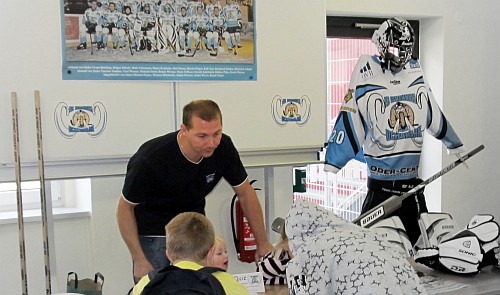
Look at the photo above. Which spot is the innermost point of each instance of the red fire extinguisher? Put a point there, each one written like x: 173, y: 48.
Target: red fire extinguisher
x: 244, y: 240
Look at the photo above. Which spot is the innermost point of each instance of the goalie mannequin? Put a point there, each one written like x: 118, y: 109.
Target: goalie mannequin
x: 467, y: 251
x: 386, y: 110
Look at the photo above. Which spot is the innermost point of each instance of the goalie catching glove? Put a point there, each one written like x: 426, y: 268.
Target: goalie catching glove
x: 468, y: 250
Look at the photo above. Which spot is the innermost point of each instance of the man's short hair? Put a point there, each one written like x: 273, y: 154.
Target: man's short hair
x: 205, y: 109
x: 190, y: 235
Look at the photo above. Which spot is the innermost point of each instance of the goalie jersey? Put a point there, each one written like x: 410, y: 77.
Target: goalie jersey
x: 383, y: 117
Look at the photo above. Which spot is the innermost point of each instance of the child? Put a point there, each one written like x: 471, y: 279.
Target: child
x: 273, y: 264
x: 220, y: 258
x: 191, y: 245
x: 334, y: 256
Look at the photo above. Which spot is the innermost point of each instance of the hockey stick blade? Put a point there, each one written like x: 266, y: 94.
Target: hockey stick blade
x: 188, y: 55
x: 390, y: 205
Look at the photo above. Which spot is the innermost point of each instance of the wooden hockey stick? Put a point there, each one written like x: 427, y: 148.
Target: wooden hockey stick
x: 20, y: 218
x: 390, y: 205
x: 91, y: 47
x: 43, y: 199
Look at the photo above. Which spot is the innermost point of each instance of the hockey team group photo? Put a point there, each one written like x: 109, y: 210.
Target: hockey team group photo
x: 173, y: 31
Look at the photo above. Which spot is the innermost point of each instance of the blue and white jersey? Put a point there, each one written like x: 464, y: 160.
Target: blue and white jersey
x: 148, y: 19
x: 232, y: 14
x: 119, y: 5
x: 216, y: 22
x: 384, y: 115
x: 111, y: 18
x: 167, y: 18
x: 200, y: 22
x: 152, y: 4
x: 129, y: 20
x: 92, y: 15
x: 193, y: 7
x: 209, y: 9
x: 183, y: 22
x: 103, y: 4
x: 178, y: 4
x: 166, y: 7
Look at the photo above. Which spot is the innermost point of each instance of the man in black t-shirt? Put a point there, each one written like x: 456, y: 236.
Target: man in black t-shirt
x: 174, y: 173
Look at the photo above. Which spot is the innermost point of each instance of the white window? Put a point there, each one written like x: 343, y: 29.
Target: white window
x: 344, y: 192
x: 66, y: 196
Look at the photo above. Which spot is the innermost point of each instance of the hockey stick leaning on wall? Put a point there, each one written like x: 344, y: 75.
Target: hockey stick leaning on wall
x: 43, y: 199
x: 20, y: 218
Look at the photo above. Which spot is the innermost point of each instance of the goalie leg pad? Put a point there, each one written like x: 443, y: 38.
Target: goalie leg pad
x: 438, y: 226
x: 393, y: 230
x: 458, y: 266
x: 461, y: 254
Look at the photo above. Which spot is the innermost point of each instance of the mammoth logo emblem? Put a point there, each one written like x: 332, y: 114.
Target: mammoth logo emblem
x: 401, y: 116
x: 71, y: 120
x: 286, y: 110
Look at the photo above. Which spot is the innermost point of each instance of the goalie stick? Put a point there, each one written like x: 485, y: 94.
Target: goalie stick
x: 43, y: 199
x: 20, y: 219
x: 129, y: 39
x: 390, y: 205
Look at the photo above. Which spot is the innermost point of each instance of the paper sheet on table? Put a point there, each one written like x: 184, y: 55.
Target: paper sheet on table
x: 253, y: 281
x: 434, y: 285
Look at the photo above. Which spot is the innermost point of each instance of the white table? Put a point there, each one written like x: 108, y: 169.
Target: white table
x: 487, y: 282
x: 483, y: 283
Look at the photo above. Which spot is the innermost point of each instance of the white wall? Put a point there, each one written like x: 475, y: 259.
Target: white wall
x: 471, y: 77
x: 457, y: 61
x: 139, y: 110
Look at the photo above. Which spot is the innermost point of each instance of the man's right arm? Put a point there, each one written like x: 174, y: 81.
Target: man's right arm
x: 128, y: 230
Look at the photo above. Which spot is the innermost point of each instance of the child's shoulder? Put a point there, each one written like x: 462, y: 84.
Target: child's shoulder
x: 230, y: 284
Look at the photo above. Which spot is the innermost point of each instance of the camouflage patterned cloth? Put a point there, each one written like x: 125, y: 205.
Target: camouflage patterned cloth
x: 334, y: 256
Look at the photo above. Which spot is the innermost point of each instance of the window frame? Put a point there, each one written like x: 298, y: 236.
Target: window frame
x: 69, y: 198
x: 345, y: 27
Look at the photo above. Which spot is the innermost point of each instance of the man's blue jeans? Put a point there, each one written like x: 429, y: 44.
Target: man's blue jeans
x: 155, y: 250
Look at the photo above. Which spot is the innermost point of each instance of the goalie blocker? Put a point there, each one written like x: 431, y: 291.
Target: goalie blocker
x: 467, y: 251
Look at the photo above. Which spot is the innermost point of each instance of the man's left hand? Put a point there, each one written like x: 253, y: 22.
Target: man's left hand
x: 262, y: 250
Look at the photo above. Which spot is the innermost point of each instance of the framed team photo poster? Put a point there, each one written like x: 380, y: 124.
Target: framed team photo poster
x: 172, y: 40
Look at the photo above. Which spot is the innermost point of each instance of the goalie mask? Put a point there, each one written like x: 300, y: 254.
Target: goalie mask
x: 394, y: 40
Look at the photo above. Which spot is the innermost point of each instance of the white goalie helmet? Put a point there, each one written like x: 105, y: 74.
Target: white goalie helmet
x: 394, y: 40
